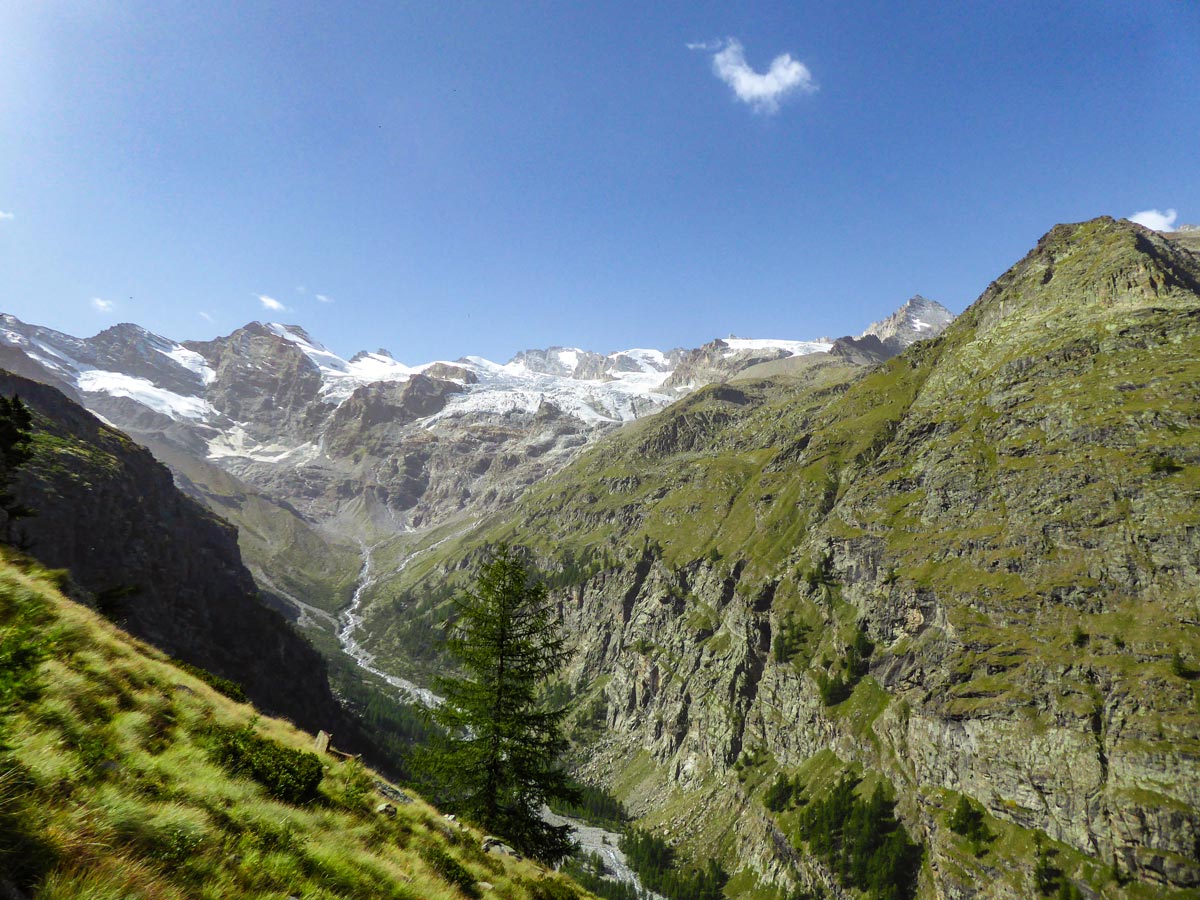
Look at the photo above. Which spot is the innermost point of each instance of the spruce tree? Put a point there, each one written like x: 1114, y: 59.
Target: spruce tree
x: 16, y: 426
x: 500, y: 762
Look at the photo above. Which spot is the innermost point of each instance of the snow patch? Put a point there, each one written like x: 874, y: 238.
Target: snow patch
x: 192, y: 361
x: 648, y: 360
x: 793, y: 348
x: 236, y: 442
x: 569, y: 358
x: 146, y: 393
x: 339, y: 378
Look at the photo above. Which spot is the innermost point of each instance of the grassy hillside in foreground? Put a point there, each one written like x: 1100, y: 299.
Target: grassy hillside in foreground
x: 124, y: 776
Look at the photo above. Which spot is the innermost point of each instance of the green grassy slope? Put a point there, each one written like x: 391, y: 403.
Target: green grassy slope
x: 113, y: 784
x: 1009, y: 512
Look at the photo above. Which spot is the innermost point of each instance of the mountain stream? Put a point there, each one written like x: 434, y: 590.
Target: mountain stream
x: 352, y: 618
x: 591, y: 838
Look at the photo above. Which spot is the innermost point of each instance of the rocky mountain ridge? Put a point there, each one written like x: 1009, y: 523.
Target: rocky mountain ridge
x: 345, y: 450
x: 968, y: 574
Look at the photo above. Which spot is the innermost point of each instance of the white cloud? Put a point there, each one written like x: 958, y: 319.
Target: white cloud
x: 324, y: 299
x: 101, y: 305
x: 763, y: 91
x: 1156, y: 220
x: 707, y: 46
x: 205, y: 316
x: 271, y: 303
x: 6, y: 216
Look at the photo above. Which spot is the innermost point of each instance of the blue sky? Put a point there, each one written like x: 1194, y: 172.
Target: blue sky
x: 460, y: 178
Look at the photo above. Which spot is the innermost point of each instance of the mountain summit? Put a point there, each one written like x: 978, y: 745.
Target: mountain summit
x: 919, y: 318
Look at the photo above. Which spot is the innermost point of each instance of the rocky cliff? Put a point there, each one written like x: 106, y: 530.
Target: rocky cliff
x: 156, y: 561
x: 969, y: 572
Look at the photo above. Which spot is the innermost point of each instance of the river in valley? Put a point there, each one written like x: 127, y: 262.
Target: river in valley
x: 591, y: 838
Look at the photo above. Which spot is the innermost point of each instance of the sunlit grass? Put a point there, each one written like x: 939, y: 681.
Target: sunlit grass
x: 110, y: 786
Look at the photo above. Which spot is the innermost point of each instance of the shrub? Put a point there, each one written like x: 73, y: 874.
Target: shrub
x: 357, y: 785
x: 292, y: 776
x: 25, y: 854
x: 967, y: 820
x: 833, y: 688
x: 230, y: 689
x: 837, y: 687
x: 23, y: 644
x: 790, y: 640
x: 449, y: 869
x: 1046, y: 875
x: 778, y: 795
x: 1179, y: 668
x: 1162, y: 463
x: 551, y: 889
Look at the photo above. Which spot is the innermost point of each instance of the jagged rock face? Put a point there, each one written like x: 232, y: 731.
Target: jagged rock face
x: 585, y: 365
x: 374, y: 413
x: 717, y: 361
x: 263, y: 382
x: 865, y: 350
x: 562, y: 361
x: 448, y: 372
x: 18, y: 362
x: 133, y: 350
x: 346, y: 441
x: 156, y: 561
x: 1009, y: 513
x: 917, y: 320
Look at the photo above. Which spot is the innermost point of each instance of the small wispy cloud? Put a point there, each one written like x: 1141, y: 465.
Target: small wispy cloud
x: 707, y: 46
x: 762, y: 91
x: 205, y: 316
x: 323, y: 299
x: 1156, y: 220
x: 271, y: 303
x: 99, y: 304
x: 7, y: 216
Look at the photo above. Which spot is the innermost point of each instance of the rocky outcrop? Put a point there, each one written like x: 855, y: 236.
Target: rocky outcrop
x: 449, y: 372
x: 373, y: 416
x: 866, y: 350
x: 716, y: 361
x: 264, y: 383
x: 132, y: 350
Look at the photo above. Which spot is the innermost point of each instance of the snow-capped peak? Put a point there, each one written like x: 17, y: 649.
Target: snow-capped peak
x: 339, y: 376
x: 917, y: 319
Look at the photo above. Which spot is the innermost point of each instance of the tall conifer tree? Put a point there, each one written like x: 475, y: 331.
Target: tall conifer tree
x: 16, y: 425
x: 501, y: 760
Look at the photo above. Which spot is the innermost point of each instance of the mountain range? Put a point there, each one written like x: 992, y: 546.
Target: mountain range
x: 303, y: 449
x: 951, y: 559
